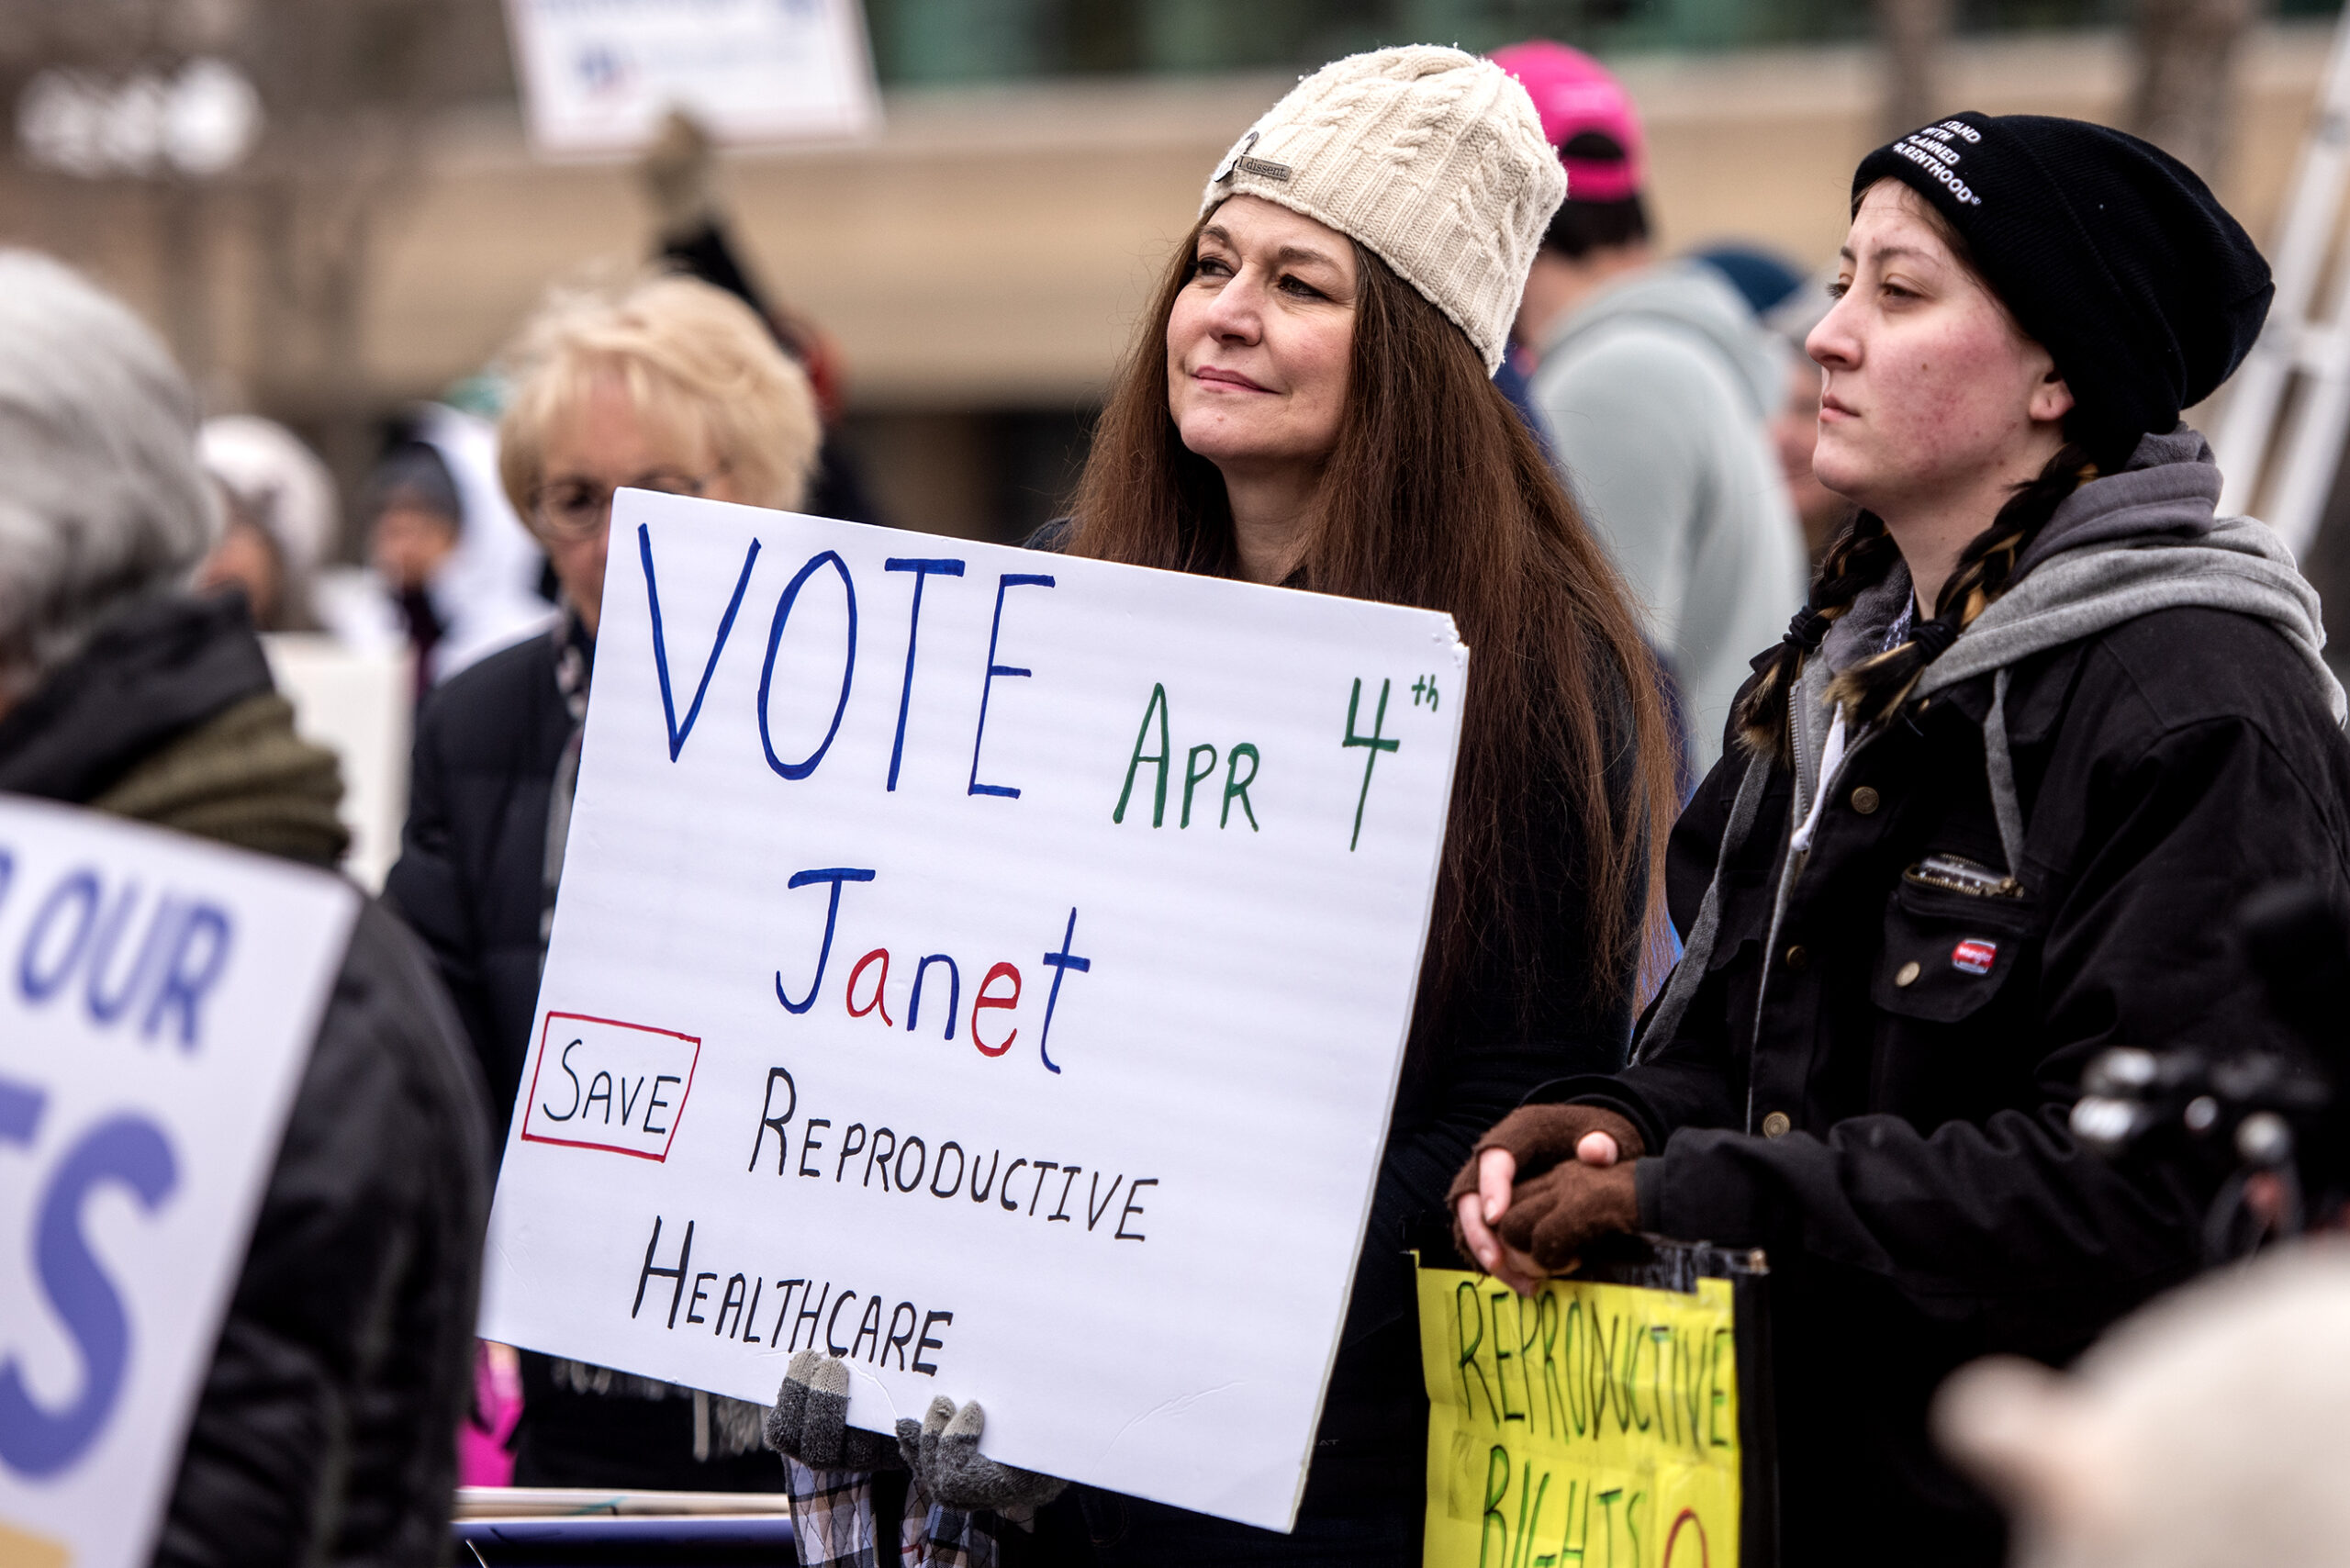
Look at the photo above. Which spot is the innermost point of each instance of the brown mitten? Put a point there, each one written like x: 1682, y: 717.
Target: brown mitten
x: 1555, y: 1215
x: 1540, y: 1138
x: 1544, y: 1136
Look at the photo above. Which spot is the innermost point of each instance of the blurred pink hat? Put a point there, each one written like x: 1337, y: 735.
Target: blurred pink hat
x: 1575, y: 95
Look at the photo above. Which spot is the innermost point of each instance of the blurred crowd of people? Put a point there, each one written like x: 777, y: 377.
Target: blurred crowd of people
x: 1672, y: 392
x: 1604, y: 457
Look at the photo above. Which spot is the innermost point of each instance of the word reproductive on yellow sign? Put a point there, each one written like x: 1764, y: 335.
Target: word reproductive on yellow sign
x: 1592, y: 1424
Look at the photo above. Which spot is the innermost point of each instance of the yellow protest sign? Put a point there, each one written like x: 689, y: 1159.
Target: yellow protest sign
x: 1593, y: 1424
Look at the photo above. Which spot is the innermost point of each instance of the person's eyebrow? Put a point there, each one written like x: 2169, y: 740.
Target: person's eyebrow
x: 1919, y: 251
x: 1292, y: 254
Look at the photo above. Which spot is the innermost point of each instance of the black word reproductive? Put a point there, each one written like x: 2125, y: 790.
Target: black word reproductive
x: 904, y: 1163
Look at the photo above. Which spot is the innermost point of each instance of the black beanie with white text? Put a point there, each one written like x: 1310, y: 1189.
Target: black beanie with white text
x: 2112, y: 254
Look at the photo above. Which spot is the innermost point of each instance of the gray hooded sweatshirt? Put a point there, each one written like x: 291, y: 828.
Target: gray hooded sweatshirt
x: 2147, y: 538
x: 1658, y: 394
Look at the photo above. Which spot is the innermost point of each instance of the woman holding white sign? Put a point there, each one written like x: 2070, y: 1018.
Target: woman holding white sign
x: 1989, y: 811
x: 1310, y: 403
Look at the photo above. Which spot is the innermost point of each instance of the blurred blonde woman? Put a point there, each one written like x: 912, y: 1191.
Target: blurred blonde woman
x: 662, y: 384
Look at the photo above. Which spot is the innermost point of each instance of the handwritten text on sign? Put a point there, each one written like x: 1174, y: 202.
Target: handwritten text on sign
x: 158, y: 998
x: 1591, y: 1424
x: 964, y: 955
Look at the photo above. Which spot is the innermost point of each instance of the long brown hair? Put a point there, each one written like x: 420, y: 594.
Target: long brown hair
x: 1436, y: 496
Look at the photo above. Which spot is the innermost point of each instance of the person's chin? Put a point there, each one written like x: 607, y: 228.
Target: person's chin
x: 1841, y: 474
x: 1218, y: 442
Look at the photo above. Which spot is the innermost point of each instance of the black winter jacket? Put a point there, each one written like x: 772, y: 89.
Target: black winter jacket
x: 472, y: 873
x: 1892, y: 1126
x: 326, y: 1431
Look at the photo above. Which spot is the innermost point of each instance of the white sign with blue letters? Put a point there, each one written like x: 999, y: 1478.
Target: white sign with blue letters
x: 158, y: 998
x: 597, y: 76
x: 991, y: 967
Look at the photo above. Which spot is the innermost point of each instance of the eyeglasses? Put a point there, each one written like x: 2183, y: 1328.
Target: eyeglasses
x: 575, y: 509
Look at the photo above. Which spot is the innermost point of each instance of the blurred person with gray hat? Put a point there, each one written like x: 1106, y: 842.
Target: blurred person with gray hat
x: 281, y: 525
x: 1657, y: 385
x: 323, y: 1430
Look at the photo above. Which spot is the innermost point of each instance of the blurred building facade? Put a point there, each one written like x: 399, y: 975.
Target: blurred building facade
x: 981, y: 260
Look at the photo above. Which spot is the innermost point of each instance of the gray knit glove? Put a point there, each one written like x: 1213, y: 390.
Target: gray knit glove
x: 944, y: 1453
x: 810, y: 1421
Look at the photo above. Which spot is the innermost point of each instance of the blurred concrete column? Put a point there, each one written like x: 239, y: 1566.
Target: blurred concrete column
x: 2184, y: 99
x: 1915, y: 34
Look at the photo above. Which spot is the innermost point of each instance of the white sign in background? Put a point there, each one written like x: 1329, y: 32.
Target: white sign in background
x: 597, y: 76
x: 158, y: 1000
x: 990, y: 966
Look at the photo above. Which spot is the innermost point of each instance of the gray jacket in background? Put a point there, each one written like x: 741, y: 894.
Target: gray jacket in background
x: 1658, y: 394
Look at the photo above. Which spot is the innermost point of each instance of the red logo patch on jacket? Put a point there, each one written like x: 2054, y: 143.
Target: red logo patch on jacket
x: 1974, y: 955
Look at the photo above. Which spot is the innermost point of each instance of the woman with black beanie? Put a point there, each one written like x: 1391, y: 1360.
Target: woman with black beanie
x: 1989, y: 808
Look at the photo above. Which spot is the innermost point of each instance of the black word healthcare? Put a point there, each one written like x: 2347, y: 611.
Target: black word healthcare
x: 731, y: 1310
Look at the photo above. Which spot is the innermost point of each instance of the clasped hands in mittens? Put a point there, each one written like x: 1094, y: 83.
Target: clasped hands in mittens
x: 1540, y: 1186
x: 810, y: 1423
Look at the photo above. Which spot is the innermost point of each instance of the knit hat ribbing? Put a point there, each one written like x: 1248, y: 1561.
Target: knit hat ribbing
x: 2112, y: 254
x: 1433, y: 158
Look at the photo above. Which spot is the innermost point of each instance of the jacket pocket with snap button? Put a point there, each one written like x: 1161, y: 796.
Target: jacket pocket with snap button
x: 1952, y: 939
x: 1954, y: 1039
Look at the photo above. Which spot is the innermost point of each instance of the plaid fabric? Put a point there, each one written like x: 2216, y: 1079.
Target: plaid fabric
x: 832, y: 1524
x: 832, y: 1516
x: 954, y: 1538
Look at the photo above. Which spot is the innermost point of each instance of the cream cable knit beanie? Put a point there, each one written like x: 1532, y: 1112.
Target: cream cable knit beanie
x: 1433, y: 158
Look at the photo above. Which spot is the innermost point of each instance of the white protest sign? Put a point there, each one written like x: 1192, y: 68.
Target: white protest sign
x: 158, y: 998
x: 990, y: 966
x: 358, y: 704
x: 599, y: 74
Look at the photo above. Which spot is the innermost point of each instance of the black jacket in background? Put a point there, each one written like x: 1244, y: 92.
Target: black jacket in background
x: 837, y: 487
x: 471, y: 877
x: 326, y: 1430
x: 1916, y: 1184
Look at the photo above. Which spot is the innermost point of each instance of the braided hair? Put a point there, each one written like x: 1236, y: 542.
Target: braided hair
x: 1860, y: 558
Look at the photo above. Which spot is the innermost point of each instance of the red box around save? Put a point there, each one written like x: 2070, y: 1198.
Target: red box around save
x: 600, y: 1083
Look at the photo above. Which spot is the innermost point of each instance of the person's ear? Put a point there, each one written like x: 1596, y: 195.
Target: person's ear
x: 2051, y: 398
